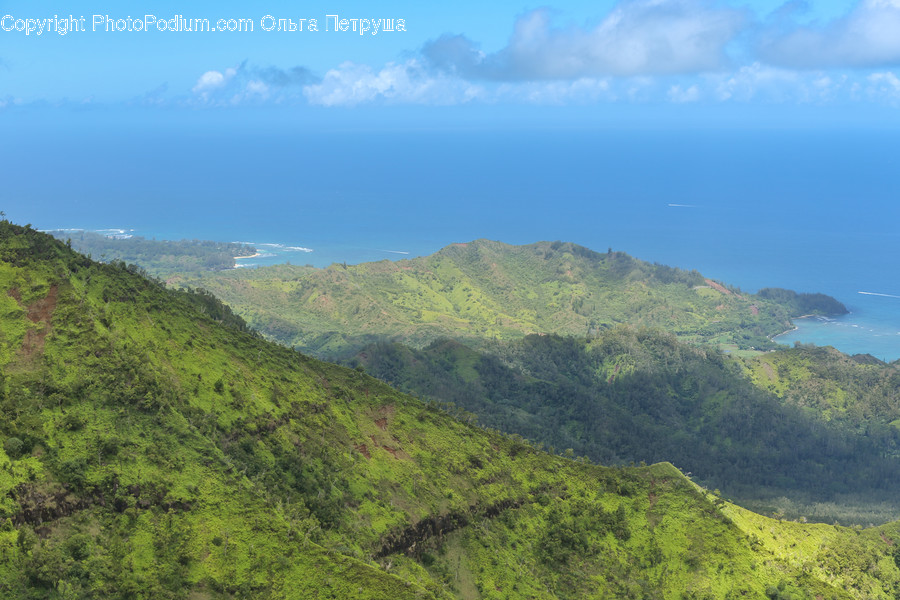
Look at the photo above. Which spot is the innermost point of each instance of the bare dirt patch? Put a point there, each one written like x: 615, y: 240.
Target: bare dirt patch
x: 720, y: 288
x: 395, y: 452
x: 38, y: 312
x: 383, y: 416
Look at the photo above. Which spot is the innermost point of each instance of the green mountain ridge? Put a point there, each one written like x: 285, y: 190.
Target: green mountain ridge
x: 486, y: 290
x: 151, y: 451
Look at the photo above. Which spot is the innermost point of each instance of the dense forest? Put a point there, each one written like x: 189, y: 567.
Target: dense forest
x: 630, y: 395
x: 804, y: 304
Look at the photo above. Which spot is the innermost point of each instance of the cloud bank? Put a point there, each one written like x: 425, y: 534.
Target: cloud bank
x: 672, y: 51
x: 869, y: 36
x: 643, y: 37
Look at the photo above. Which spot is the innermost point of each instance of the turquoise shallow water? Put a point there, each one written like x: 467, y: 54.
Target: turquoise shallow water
x: 862, y: 332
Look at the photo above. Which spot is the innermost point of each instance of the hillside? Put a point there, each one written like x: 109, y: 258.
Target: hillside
x: 630, y: 395
x: 152, y: 451
x: 859, y: 389
x: 487, y: 290
x: 615, y: 393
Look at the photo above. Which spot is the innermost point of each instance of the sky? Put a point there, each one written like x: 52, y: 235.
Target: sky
x: 766, y: 55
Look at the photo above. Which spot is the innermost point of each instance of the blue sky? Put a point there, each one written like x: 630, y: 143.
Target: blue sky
x: 670, y: 53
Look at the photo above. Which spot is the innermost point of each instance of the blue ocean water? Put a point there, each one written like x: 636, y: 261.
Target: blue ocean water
x: 810, y: 210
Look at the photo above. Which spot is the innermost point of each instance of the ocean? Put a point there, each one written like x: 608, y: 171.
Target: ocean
x: 810, y: 210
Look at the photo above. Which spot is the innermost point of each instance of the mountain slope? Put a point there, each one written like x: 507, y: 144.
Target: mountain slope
x: 670, y: 402
x: 117, y: 472
x: 859, y: 389
x: 632, y: 395
x: 489, y: 290
x: 149, y: 451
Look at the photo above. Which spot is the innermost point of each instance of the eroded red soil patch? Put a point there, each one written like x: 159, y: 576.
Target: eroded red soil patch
x: 39, y: 311
x: 720, y: 288
x: 397, y: 453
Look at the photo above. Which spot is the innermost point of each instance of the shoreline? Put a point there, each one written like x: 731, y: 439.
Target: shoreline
x: 793, y: 328
x: 775, y: 337
x: 257, y: 255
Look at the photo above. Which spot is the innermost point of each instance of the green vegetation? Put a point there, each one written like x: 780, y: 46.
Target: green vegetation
x: 151, y: 451
x: 804, y: 304
x: 158, y: 258
x: 491, y: 291
x: 616, y: 394
x: 631, y: 395
x: 860, y: 389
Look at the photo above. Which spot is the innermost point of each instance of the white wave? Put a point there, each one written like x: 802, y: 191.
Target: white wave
x: 673, y: 205
x: 298, y: 248
x: 395, y: 251
x: 879, y: 294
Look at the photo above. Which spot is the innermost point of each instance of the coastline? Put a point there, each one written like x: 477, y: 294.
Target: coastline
x: 257, y: 255
x: 793, y: 327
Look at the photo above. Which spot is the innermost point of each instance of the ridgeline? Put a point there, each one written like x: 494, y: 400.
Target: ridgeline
x: 488, y: 290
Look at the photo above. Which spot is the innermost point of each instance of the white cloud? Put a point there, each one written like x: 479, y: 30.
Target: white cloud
x: 887, y: 79
x: 249, y: 84
x: 868, y: 36
x: 637, y: 37
x: 680, y: 51
x: 681, y: 95
x: 757, y: 80
x: 585, y: 90
x: 409, y: 82
x: 884, y: 86
x: 257, y: 87
x: 212, y: 80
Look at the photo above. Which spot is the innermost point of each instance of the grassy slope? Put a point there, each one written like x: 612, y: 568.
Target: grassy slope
x: 148, y: 451
x: 489, y: 290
